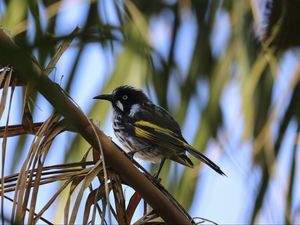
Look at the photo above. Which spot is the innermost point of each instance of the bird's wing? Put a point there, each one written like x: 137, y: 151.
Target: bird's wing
x: 158, y: 116
x: 155, y: 124
x: 162, y: 137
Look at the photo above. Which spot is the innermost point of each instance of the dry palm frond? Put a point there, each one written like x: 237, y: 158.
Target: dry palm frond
x: 41, y: 218
x: 86, y: 181
x: 92, y: 199
x: 132, y: 205
x: 16, y: 130
x: 8, y: 72
x: 119, y: 199
x: 33, y: 162
x: 60, y: 50
x: 147, y: 218
x: 204, y: 221
x: 5, y: 77
x: 50, y: 174
x: 33, y: 174
x: 4, y: 141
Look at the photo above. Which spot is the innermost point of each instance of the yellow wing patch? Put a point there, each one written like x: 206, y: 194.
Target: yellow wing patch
x: 148, y: 135
x: 142, y: 133
x: 151, y: 125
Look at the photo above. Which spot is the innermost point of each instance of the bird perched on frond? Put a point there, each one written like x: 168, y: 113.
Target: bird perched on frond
x: 149, y: 131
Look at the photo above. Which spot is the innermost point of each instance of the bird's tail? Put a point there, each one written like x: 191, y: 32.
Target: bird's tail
x: 204, y: 159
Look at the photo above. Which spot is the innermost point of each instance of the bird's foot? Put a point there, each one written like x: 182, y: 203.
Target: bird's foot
x: 130, y: 155
x: 157, y: 179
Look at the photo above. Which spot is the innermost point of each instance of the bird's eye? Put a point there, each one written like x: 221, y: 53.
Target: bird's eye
x: 124, y: 97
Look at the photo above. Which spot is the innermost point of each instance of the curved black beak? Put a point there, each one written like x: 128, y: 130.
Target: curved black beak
x: 104, y: 97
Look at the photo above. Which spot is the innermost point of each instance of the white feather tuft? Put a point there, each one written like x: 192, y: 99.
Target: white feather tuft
x: 120, y: 105
x: 134, y: 109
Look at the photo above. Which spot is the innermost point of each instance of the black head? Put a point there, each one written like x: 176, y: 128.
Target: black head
x: 124, y: 97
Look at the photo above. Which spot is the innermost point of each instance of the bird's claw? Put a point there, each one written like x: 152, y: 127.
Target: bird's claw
x: 157, y: 179
x: 130, y: 155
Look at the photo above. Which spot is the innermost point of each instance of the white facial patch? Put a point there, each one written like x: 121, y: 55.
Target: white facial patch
x: 120, y: 105
x: 134, y: 109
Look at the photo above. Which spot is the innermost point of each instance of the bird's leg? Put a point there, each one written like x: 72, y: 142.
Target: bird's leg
x: 131, y: 153
x: 159, y: 169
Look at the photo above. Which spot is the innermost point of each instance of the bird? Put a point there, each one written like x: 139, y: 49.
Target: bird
x: 148, y: 131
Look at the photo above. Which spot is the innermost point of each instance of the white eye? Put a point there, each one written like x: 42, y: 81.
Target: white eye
x: 124, y: 97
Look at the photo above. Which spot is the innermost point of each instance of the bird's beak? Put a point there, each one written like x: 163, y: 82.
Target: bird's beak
x: 104, y: 97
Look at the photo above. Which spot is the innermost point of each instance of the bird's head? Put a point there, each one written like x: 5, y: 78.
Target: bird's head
x: 124, y: 97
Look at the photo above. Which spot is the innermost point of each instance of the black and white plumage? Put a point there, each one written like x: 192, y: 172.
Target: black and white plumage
x: 148, y: 130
